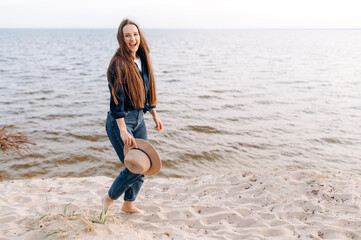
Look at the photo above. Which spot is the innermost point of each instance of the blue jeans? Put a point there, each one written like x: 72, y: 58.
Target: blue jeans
x: 126, y: 182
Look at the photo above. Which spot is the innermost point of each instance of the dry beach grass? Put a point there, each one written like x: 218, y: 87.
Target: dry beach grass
x: 13, y: 141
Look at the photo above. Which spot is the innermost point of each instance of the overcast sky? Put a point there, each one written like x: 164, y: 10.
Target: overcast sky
x: 181, y: 13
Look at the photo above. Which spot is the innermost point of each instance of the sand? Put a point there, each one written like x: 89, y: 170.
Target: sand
x: 294, y: 204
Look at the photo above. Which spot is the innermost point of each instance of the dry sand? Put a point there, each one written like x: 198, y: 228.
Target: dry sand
x: 295, y: 204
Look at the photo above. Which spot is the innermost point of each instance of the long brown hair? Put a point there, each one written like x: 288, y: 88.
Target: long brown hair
x: 128, y: 72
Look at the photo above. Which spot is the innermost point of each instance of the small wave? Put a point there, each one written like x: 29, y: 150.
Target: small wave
x: 249, y: 145
x: 63, y: 69
x: 51, y: 132
x: 53, y: 138
x: 100, y: 149
x: 199, y: 156
x: 227, y: 91
x: 91, y: 138
x: 25, y: 166
x: 234, y: 119
x: 38, y: 92
x: 33, y: 155
x: 233, y: 106
x: 55, y: 116
x: 41, y: 98
x: 208, y: 97
x: 172, y: 80
x: 264, y: 102
x: 154, y: 142
x: 203, y: 129
x: 331, y: 140
x: 72, y: 159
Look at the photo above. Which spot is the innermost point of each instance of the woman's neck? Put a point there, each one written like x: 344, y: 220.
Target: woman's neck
x: 135, y: 57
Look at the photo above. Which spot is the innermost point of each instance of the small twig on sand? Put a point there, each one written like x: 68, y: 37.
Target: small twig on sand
x: 13, y: 142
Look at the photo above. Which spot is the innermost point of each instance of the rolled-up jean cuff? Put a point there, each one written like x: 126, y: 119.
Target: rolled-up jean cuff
x: 129, y: 200
x: 109, y: 195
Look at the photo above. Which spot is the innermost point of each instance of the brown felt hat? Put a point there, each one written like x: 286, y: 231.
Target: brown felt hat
x: 142, y: 160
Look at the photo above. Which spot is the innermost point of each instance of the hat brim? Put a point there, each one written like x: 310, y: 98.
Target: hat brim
x: 156, y: 163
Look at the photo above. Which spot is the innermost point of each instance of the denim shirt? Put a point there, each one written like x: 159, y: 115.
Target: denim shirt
x: 124, y: 104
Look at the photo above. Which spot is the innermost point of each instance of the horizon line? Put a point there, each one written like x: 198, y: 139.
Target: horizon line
x: 240, y: 28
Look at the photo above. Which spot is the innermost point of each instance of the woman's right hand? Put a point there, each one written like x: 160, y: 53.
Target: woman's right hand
x: 127, y: 138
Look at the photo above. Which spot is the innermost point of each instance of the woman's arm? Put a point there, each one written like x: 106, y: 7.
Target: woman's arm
x: 126, y: 137
x: 158, y: 123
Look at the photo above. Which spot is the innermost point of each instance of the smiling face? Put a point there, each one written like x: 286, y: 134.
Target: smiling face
x: 131, y: 38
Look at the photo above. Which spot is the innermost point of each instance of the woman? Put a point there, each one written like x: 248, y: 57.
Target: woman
x: 132, y: 93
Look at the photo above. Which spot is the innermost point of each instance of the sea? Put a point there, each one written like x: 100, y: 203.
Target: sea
x: 231, y: 100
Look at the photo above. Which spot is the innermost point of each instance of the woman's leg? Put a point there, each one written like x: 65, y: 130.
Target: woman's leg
x: 125, y: 179
x: 140, y: 131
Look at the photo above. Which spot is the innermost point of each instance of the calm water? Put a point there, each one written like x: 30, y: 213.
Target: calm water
x: 230, y: 100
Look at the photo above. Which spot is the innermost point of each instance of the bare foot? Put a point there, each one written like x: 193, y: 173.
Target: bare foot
x: 107, y: 203
x: 128, y: 207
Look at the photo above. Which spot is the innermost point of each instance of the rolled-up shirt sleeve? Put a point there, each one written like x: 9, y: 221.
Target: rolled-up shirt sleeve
x: 116, y: 110
x: 150, y: 107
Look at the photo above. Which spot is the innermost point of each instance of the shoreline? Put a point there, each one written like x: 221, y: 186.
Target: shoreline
x: 294, y: 204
